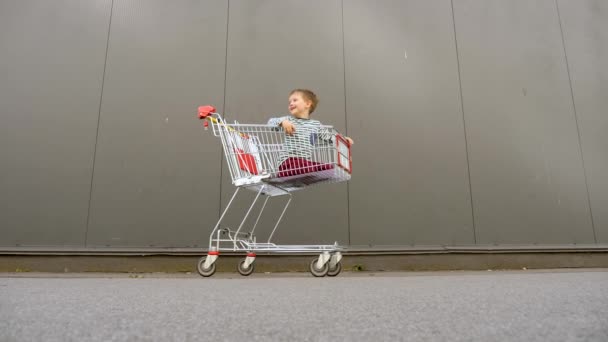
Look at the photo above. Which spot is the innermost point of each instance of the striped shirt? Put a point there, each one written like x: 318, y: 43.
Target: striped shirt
x: 308, y: 134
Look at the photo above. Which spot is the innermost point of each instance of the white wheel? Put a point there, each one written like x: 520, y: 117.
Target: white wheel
x: 332, y: 272
x: 244, y: 271
x: 205, y: 272
x: 316, y: 271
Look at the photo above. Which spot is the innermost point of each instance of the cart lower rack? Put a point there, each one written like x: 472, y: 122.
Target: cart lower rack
x: 258, y: 161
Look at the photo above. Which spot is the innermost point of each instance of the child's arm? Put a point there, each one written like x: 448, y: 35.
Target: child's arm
x: 278, y: 124
x: 327, y: 135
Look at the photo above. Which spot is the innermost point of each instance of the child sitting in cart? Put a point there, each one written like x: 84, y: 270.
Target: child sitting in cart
x: 302, y: 134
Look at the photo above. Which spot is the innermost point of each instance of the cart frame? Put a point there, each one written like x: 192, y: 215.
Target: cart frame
x: 253, y: 154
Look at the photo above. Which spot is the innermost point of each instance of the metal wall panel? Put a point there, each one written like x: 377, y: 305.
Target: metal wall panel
x: 526, y: 168
x: 585, y: 28
x: 393, y: 84
x: 410, y: 182
x: 51, y: 64
x: 273, y: 47
x: 155, y: 171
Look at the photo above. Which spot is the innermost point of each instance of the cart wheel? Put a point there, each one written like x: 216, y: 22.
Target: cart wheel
x: 335, y: 271
x: 316, y: 271
x: 205, y: 272
x: 244, y: 271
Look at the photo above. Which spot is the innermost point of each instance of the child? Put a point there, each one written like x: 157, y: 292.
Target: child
x: 301, y: 135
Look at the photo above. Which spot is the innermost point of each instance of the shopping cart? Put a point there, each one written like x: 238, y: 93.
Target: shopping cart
x: 254, y: 154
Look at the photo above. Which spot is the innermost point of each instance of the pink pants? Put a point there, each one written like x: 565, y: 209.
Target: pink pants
x: 299, y: 166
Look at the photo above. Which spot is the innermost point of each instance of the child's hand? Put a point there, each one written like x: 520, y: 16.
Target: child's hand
x: 350, y: 141
x: 288, y: 127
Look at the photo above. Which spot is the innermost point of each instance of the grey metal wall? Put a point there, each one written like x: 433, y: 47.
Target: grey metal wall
x: 475, y: 121
x: 51, y: 66
x: 527, y: 176
x: 410, y: 184
x: 585, y: 32
x: 154, y: 182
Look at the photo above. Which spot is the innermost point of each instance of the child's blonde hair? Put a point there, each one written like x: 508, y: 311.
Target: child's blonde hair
x: 308, y: 95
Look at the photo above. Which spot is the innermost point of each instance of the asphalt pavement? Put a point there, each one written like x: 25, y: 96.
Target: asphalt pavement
x: 551, y: 305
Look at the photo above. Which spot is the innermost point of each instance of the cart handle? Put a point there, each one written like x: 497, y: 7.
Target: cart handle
x: 205, y: 111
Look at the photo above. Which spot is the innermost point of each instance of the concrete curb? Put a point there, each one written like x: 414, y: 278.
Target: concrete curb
x: 373, y: 263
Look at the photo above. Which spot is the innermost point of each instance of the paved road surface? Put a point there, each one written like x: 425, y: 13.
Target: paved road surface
x: 446, y: 306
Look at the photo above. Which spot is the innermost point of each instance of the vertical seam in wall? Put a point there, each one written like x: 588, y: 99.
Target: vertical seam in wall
x: 464, y: 123
x: 578, y: 132
x: 345, y: 123
x: 219, y: 214
x: 103, y: 79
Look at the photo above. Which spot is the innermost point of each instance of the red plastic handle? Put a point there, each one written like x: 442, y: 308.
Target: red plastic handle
x: 205, y: 111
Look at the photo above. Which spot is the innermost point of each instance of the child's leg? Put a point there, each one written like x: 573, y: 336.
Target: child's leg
x: 298, y: 166
x: 291, y: 167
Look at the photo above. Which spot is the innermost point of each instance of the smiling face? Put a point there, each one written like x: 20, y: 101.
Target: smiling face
x: 299, y: 106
